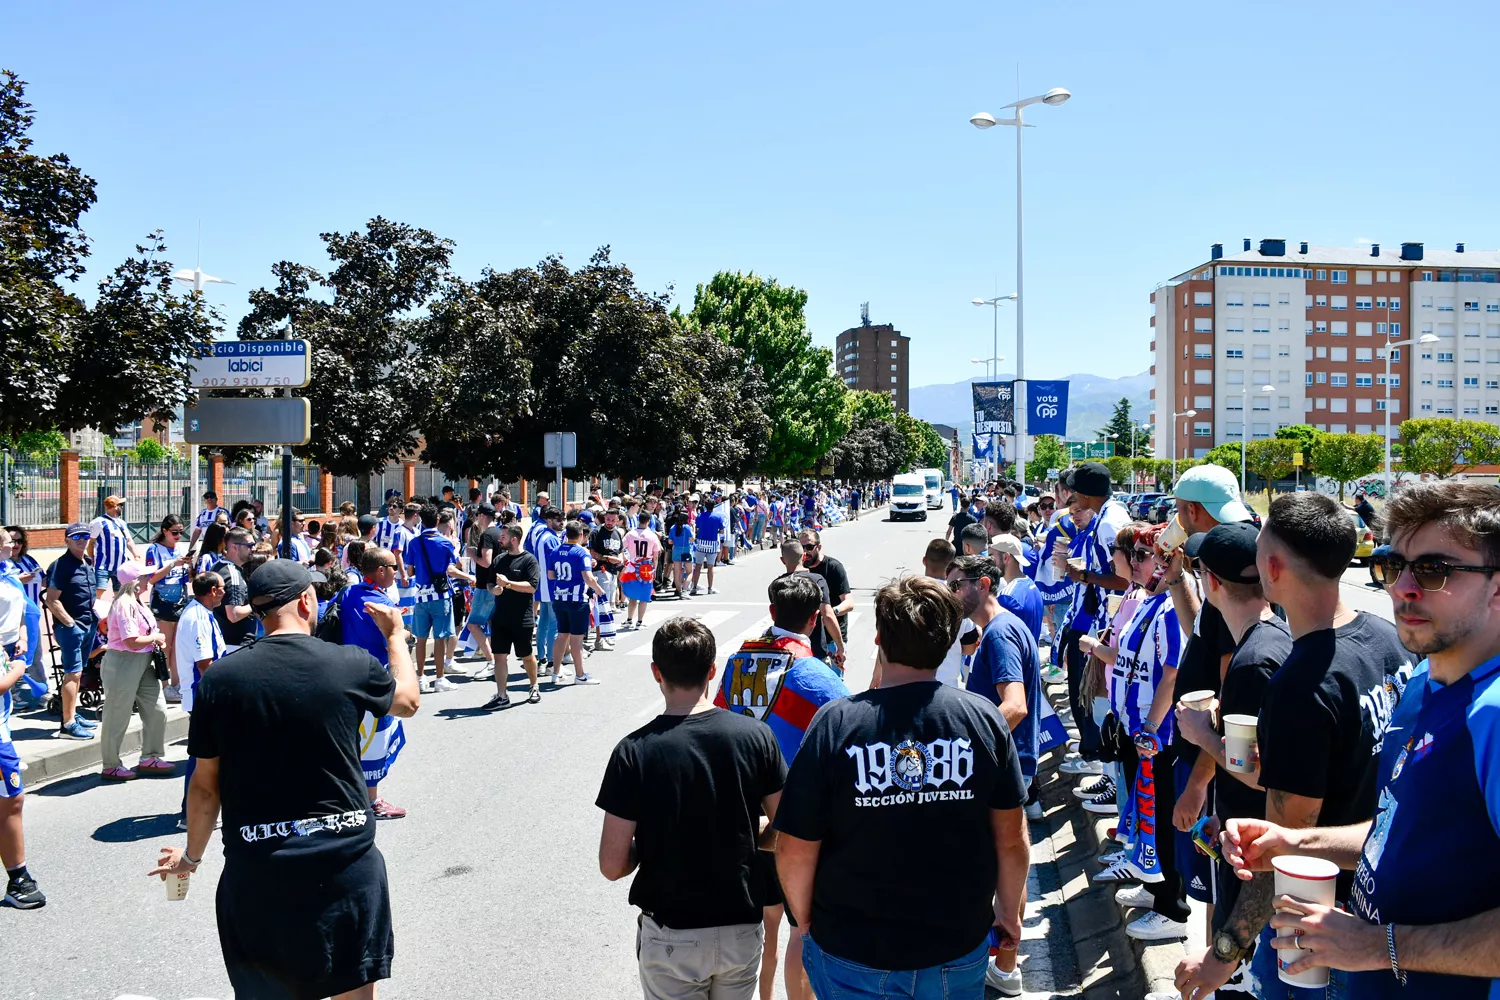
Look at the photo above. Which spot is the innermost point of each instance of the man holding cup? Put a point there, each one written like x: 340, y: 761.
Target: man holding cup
x: 1424, y: 913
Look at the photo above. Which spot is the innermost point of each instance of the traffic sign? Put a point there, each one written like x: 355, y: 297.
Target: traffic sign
x: 560, y: 449
x: 230, y: 364
x: 228, y: 421
x: 1296, y: 458
x: 1080, y: 451
x: 1053, y: 473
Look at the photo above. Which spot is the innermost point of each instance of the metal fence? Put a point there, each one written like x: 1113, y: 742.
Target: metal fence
x: 262, y: 481
x: 151, y: 491
x: 30, y: 491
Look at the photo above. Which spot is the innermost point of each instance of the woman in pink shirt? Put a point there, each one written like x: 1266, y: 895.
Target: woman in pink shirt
x: 130, y: 678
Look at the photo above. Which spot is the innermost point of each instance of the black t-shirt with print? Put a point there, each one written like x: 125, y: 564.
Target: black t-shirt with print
x: 898, y: 784
x: 236, y: 594
x: 511, y: 607
x: 607, y: 542
x: 818, y: 637
x: 693, y: 786
x: 833, y: 574
x: 1262, y: 651
x: 283, y: 718
x: 490, y: 540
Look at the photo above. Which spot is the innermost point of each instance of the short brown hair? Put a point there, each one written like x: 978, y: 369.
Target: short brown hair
x: 1318, y: 530
x: 683, y: 650
x: 917, y: 620
x: 1002, y: 514
x: 1469, y: 512
x: 939, y: 550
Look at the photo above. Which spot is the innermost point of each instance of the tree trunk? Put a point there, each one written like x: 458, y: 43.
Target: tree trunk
x: 364, y: 490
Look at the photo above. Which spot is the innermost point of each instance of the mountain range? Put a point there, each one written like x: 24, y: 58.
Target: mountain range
x: 1091, y: 401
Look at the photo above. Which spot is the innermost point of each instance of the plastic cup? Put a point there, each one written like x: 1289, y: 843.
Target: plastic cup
x: 1311, y: 880
x: 1240, y: 751
x: 1197, y: 701
x: 177, y: 886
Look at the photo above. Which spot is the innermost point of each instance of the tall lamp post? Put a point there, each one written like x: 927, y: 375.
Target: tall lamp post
x: 1426, y: 338
x: 197, y: 279
x: 987, y: 362
x: 1245, y: 427
x: 983, y: 120
x: 1184, y: 413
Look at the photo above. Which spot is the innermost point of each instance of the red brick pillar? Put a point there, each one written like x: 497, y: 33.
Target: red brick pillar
x: 408, y: 478
x: 67, y: 484
x: 473, y: 485
x: 216, y: 475
x: 525, y: 498
x: 325, y: 491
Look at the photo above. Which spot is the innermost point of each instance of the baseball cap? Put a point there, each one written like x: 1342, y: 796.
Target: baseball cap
x: 1011, y: 545
x: 392, y: 493
x: 1091, y: 479
x: 366, y: 522
x: 129, y: 572
x: 486, y: 508
x: 1216, y: 488
x: 1228, y: 551
x: 210, y: 495
x: 77, y: 530
x: 279, y: 581
x: 586, y: 516
x: 114, y: 501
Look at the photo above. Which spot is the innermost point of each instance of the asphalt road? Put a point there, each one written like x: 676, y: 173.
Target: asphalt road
x: 494, y: 882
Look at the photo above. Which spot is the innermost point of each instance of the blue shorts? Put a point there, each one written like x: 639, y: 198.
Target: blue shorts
x: 74, y: 643
x: 572, y: 617
x: 433, y: 618
x: 682, y: 555
x: 481, y: 607
x: 10, y: 770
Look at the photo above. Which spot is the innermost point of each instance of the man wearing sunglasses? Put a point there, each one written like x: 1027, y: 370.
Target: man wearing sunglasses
x: 233, y: 613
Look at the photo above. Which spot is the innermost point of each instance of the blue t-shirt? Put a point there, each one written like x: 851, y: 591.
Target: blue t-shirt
x: 358, y: 627
x: 73, y: 578
x: 1007, y: 654
x: 682, y: 540
x: 545, y: 545
x: 710, y: 526
x: 428, y: 557
x: 1433, y: 853
x: 568, y: 564
x: 1022, y: 598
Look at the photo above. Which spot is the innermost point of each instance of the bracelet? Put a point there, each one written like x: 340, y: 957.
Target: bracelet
x: 190, y: 861
x: 1390, y: 944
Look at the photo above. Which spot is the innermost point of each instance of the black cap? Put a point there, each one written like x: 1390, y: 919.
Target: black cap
x: 210, y: 495
x: 279, y: 581
x: 392, y: 493
x: 487, y: 508
x: 549, y: 512
x: 1227, y: 551
x: 366, y: 522
x: 1091, y: 479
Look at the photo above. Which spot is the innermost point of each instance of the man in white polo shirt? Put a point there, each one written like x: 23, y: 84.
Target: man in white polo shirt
x: 198, y: 642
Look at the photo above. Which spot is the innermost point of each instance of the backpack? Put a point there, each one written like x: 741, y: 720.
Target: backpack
x: 330, y: 627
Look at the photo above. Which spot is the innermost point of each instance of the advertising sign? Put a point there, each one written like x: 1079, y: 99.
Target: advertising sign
x: 994, y: 408
x: 231, y: 364
x: 1047, y: 408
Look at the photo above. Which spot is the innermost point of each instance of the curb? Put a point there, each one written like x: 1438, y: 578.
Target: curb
x: 46, y: 759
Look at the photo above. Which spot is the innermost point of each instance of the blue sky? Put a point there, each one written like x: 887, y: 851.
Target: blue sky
x: 825, y: 144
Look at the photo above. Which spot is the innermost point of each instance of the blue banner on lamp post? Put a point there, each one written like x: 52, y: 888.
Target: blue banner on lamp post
x: 1047, y: 408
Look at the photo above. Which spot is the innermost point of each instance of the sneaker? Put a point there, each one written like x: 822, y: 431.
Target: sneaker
x: 567, y: 660
x: 1112, y: 857
x: 557, y: 678
x: 182, y: 824
x: 86, y: 722
x: 424, y: 685
x: 484, y: 673
x: 75, y: 730
x: 712, y: 590
x: 1102, y: 804
x: 586, y: 679
x: 1134, y: 895
x: 1081, y: 766
x: 1088, y: 789
x: 443, y: 684
x: 384, y: 810
x: 1007, y: 984
x: 534, y: 697
x: 155, y: 767
x: 117, y: 774
x: 1120, y: 871
x: 1155, y: 927
x: 693, y: 592
x: 1033, y: 812
x: 501, y: 700
x: 604, y: 646
x: 173, y: 694
x: 23, y: 894
x: 452, y: 667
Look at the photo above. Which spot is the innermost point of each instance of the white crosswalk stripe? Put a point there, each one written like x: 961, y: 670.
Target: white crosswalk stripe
x: 709, y: 618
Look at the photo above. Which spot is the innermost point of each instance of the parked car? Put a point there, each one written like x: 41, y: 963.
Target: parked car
x: 1141, y: 508
x: 1162, y: 510
x: 1366, y: 547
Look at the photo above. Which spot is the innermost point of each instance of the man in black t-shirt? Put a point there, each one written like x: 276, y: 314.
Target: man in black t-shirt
x: 607, y: 546
x: 825, y: 638
x: 485, y: 545
x: 303, y: 904
x: 682, y: 797
x: 882, y: 777
x: 832, y: 572
x: 516, y: 577
x: 956, y: 524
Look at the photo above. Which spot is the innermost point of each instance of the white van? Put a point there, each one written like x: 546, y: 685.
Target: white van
x: 909, y: 497
x: 932, y: 483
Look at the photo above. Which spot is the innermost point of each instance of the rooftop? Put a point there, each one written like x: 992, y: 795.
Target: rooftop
x: 1433, y: 259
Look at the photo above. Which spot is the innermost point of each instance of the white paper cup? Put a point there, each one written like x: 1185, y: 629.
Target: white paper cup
x: 1172, y: 537
x: 1197, y: 701
x: 177, y: 886
x: 1240, y: 752
x: 1311, y: 880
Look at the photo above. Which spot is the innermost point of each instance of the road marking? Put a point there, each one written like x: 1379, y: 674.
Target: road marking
x: 710, y: 619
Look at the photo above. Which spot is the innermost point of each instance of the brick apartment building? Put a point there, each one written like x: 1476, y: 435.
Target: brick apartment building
x: 876, y: 357
x: 1312, y: 322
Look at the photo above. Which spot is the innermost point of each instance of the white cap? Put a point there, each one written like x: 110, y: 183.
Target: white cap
x: 1010, y: 545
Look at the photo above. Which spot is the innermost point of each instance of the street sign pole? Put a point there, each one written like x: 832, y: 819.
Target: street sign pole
x: 286, y: 503
x: 560, y: 451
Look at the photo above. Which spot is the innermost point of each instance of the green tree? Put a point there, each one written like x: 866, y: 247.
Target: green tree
x: 1144, y: 468
x: 1270, y: 459
x: 1047, y: 452
x: 1164, y: 477
x: 766, y: 320
x: 39, y: 444
x: 1119, y: 425
x: 1443, y: 446
x: 149, y: 451
x: 1303, y: 434
x: 1226, y: 454
x: 1119, y: 469
x: 926, y: 448
x: 1347, y: 457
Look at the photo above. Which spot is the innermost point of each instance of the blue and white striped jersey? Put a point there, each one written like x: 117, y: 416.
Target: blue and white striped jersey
x: 110, y: 535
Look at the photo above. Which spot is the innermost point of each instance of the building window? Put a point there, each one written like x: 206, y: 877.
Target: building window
x: 1340, y: 328
x: 1445, y: 383
x: 1445, y: 409
x: 1203, y: 402
x: 1363, y: 354
x: 1308, y: 378
x: 1283, y: 350
x: 1380, y: 405
x: 1363, y: 277
x: 1283, y: 402
x: 1445, y: 305
x: 1426, y: 275
x: 1338, y: 277
x: 1471, y: 382
x: 1234, y: 352
x: 1380, y: 328
x: 1321, y: 326
x: 893, y: 355
x: 1339, y: 379
x: 1471, y: 305
x: 1471, y: 357
x: 1203, y: 324
x: 1492, y: 383
x: 1363, y: 381
x: 1395, y: 354
x: 1339, y: 302
x: 1471, y: 408
x: 1322, y: 378
x: 1338, y: 405
x: 1261, y: 300
x: 1362, y: 328
x: 1203, y: 298
x: 1395, y: 302
x: 1284, y: 375
x: 1262, y: 351
x: 1339, y: 354
x: 1203, y: 377
x: 1362, y: 303
x: 1394, y: 329
x: 1445, y: 357
x: 1202, y: 430
x: 1234, y: 299
x: 1234, y: 325
x: 1492, y: 307
x: 1202, y: 350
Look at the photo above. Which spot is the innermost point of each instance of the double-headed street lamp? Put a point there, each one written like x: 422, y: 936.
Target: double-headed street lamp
x: 1184, y: 413
x: 1426, y: 338
x: 1245, y: 426
x: 983, y: 120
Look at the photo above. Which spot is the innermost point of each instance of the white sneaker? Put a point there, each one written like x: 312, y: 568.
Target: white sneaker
x: 485, y: 672
x: 1120, y: 871
x: 1113, y: 857
x: 1155, y: 927
x: 1134, y: 895
x: 1008, y: 984
x: 443, y: 684
x: 1081, y: 766
x: 425, y: 686
x: 451, y: 667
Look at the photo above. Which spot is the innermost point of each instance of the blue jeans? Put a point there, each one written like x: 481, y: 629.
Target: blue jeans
x: 835, y: 978
x: 546, y: 630
x: 74, y: 643
x: 1263, y: 966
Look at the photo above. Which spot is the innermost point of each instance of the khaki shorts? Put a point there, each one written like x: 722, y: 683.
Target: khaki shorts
x: 718, y: 962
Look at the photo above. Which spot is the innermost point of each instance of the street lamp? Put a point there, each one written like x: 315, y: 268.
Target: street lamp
x: 1184, y: 413
x: 1245, y: 427
x: 1426, y: 338
x: 984, y: 120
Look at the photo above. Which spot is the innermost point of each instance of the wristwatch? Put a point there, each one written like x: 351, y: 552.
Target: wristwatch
x: 1227, y: 949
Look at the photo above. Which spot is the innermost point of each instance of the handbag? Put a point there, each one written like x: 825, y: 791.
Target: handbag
x: 159, y: 664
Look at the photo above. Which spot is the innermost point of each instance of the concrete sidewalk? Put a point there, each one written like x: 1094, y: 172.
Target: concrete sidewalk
x: 45, y: 755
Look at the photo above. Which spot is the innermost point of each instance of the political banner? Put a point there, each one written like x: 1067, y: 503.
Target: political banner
x: 994, y: 408
x: 984, y: 446
x: 1047, y: 408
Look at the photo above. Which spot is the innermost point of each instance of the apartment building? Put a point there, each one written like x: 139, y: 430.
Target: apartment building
x: 1311, y: 323
x: 877, y: 357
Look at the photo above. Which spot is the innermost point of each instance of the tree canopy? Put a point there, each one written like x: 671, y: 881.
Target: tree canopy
x: 1440, y: 447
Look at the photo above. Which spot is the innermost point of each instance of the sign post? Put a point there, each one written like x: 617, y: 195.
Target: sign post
x: 239, y: 364
x: 560, y: 451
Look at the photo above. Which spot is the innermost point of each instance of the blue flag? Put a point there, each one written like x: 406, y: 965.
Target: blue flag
x: 1047, y: 408
x: 984, y: 446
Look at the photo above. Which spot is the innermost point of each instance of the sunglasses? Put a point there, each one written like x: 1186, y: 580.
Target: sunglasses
x: 1430, y: 572
x: 174, y: 531
x: 1139, y: 555
x: 957, y: 585
x: 389, y: 565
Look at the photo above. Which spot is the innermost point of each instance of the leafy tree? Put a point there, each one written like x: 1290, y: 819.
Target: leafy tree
x: 1444, y: 446
x: 1347, y: 457
x: 1270, y: 459
x: 1119, y: 468
x: 39, y: 444
x: 1143, y: 467
x: 765, y: 320
x: 149, y: 451
x: 1303, y: 434
x: 1164, y: 469
x: 926, y: 448
x: 1047, y: 452
x: 1226, y: 454
x: 1119, y: 425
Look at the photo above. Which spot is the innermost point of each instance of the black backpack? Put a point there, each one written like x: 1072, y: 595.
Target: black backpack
x: 330, y: 627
